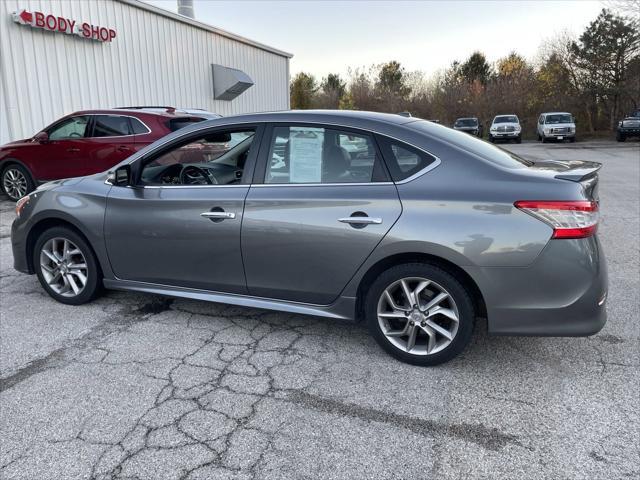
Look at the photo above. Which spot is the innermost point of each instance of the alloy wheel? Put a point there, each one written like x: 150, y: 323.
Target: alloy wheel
x: 418, y: 316
x: 64, y: 267
x: 14, y: 183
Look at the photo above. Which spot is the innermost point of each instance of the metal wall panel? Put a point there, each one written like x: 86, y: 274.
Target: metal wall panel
x: 155, y: 59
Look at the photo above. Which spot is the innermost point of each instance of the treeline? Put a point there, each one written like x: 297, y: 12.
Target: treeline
x: 595, y: 76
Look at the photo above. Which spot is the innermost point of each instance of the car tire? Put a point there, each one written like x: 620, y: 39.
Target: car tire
x: 539, y: 137
x: 431, y: 346
x: 544, y: 139
x: 572, y: 140
x: 58, y: 259
x: 519, y: 139
x: 16, y: 181
x: 491, y: 140
x: 620, y: 137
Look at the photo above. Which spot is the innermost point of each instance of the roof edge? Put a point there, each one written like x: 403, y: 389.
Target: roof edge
x: 204, y: 26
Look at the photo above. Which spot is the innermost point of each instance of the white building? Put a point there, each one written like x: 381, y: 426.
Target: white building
x: 59, y: 56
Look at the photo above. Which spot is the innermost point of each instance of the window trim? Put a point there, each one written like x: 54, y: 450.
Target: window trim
x: 163, y: 142
x: 247, y: 174
x: 265, y: 148
x: 93, y: 123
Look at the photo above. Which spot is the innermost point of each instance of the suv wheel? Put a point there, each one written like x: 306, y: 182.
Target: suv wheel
x: 519, y: 139
x: 66, y: 266
x: 420, y: 314
x: 620, y: 137
x: 16, y: 181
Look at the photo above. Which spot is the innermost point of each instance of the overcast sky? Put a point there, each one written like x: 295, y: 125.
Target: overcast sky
x: 329, y: 36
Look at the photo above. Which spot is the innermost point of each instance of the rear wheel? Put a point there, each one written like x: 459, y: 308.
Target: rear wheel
x: 66, y: 266
x: 420, y: 314
x: 16, y: 181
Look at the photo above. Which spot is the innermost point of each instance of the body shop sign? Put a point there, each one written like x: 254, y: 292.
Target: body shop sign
x: 59, y: 24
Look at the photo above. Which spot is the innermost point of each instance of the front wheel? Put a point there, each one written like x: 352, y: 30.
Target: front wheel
x: 16, y: 181
x: 66, y: 266
x: 620, y: 137
x: 519, y: 139
x: 420, y: 314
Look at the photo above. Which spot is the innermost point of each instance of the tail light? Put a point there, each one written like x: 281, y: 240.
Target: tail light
x: 569, y: 219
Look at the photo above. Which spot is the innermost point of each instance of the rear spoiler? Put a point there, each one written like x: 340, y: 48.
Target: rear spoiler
x: 581, y: 174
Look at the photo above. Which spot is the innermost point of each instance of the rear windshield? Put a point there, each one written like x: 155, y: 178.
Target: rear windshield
x: 466, y: 122
x: 558, y: 118
x: 472, y: 144
x: 506, y: 119
x: 178, y: 123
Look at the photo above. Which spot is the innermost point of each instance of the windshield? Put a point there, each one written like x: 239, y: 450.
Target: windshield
x: 558, y: 118
x: 469, y: 143
x: 466, y: 122
x: 635, y: 114
x: 506, y: 119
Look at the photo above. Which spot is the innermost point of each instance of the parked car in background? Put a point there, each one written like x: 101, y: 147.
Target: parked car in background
x: 556, y: 126
x: 199, y: 112
x: 427, y: 232
x: 505, y: 127
x: 469, y: 125
x: 629, y: 127
x: 83, y: 143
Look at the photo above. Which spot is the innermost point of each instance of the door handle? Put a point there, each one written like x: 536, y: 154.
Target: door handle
x: 73, y: 150
x: 361, y: 220
x: 123, y: 148
x: 219, y: 215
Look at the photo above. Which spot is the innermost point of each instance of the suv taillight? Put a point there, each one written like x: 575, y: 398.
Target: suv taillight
x: 569, y: 219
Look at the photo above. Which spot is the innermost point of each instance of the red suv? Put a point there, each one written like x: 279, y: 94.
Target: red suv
x: 85, y: 143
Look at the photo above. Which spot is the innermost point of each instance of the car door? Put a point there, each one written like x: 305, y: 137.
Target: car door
x: 61, y: 153
x: 179, y: 224
x: 314, y: 213
x: 112, y: 139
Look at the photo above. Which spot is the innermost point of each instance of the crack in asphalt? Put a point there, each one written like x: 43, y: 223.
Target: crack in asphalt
x: 204, y: 413
x: 489, y: 438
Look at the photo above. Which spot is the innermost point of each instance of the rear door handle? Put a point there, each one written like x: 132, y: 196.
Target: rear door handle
x: 219, y: 215
x: 361, y: 220
x: 73, y: 150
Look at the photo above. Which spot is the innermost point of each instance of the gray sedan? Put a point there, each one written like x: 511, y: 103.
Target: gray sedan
x: 422, y: 233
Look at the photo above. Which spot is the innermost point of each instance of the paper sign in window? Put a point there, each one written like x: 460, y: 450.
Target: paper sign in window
x: 306, y: 155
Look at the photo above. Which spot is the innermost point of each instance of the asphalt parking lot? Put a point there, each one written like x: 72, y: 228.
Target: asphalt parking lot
x: 139, y: 386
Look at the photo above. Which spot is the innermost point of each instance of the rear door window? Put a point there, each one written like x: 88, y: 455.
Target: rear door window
x: 315, y: 154
x: 111, y: 126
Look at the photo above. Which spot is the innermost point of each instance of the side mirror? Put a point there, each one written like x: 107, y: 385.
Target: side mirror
x: 41, y: 137
x: 120, y: 177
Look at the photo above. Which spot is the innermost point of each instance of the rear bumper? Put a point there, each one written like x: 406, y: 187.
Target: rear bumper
x: 563, y: 293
